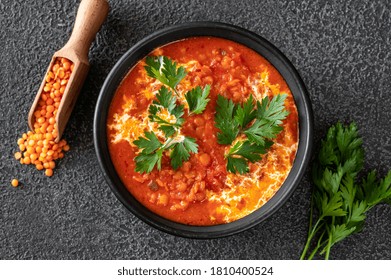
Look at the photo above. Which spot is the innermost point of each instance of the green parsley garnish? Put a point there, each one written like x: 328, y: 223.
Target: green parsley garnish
x: 259, y: 124
x: 268, y: 121
x: 246, y: 113
x: 225, y: 121
x: 166, y: 100
x: 242, y: 152
x: 152, y: 151
x: 165, y: 70
x: 181, y: 151
x: 340, y: 199
x: 197, y: 99
x: 166, y: 104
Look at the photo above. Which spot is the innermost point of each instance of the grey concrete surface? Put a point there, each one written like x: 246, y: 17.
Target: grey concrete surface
x: 340, y: 48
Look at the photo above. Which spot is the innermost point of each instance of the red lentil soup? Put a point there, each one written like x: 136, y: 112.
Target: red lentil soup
x: 201, y: 191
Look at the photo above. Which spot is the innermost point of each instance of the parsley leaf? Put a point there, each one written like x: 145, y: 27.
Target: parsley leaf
x: 166, y: 100
x: 241, y: 153
x: 146, y: 162
x: 165, y: 70
x: 270, y: 114
x: 340, y: 232
x: 246, y: 113
x: 239, y: 165
x: 272, y: 110
x: 197, y: 98
x: 357, y: 213
x: 248, y: 150
x: 330, y: 206
x: 168, y: 130
x: 225, y: 121
x: 149, y: 144
x: 151, y: 153
x: 374, y: 191
x: 262, y: 130
x: 181, y: 151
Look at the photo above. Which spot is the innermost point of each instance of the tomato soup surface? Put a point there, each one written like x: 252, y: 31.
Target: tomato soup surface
x: 201, y: 191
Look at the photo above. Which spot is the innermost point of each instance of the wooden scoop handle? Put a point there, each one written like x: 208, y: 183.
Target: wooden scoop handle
x: 90, y: 17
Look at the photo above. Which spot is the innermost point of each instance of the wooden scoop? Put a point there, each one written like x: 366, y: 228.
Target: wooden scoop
x: 89, y: 19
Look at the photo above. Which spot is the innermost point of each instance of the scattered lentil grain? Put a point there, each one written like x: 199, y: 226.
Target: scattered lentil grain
x: 15, y: 183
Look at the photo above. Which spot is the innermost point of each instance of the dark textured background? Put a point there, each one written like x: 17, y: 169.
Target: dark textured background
x: 341, y: 49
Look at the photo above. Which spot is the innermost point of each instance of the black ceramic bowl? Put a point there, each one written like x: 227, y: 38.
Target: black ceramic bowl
x: 175, y: 33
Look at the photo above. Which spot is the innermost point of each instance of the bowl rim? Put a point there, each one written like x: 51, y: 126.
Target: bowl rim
x: 211, y: 29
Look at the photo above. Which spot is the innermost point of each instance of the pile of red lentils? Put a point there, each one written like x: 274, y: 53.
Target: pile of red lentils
x: 38, y: 147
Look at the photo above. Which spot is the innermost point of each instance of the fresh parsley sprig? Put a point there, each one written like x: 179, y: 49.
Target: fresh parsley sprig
x: 169, y: 74
x: 181, y: 151
x: 152, y: 151
x: 165, y: 70
x: 197, y: 99
x: 258, y: 121
x: 166, y: 103
x: 269, y: 117
x: 168, y: 114
x: 341, y: 202
x: 242, y: 152
x: 225, y: 121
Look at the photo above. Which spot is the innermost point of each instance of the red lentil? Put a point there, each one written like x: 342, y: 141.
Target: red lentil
x: 15, y: 183
x: 39, y: 146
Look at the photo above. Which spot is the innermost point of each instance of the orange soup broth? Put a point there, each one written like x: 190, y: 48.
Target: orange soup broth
x: 202, y: 192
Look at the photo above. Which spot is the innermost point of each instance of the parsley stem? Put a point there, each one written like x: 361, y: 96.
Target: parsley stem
x: 311, y: 212
x: 330, y: 239
x: 167, y: 143
x: 309, y: 239
x: 313, y: 232
x: 318, y: 247
x: 328, y: 250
